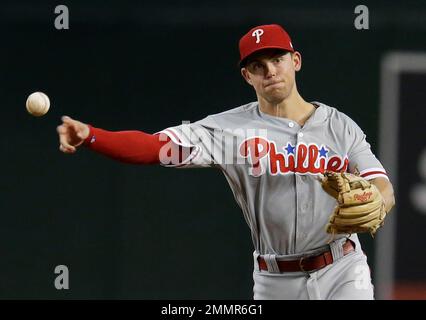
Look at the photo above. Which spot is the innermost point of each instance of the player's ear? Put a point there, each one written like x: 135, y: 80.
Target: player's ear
x: 297, y: 60
x: 246, y: 76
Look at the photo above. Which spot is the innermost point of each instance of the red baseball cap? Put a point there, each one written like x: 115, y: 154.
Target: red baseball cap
x: 270, y: 36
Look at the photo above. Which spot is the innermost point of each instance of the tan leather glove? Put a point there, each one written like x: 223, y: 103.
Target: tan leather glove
x: 360, y: 204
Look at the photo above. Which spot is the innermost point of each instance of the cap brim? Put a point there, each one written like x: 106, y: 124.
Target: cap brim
x: 242, y: 62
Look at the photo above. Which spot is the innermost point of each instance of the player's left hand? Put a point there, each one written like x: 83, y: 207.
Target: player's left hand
x: 360, y: 204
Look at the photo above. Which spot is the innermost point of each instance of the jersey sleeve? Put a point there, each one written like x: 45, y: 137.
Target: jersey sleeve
x: 192, y: 145
x: 361, y: 158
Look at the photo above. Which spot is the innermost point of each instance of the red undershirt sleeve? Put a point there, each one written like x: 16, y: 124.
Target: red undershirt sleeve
x: 135, y: 147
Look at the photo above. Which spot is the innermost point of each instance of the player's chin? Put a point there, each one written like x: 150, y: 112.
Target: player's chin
x: 278, y: 88
x: 276, y: 96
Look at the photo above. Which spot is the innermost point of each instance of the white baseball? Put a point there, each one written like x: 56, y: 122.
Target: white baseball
x: 38, y: 104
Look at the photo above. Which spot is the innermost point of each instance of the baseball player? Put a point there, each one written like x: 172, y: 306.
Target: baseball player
x: 294, y: 167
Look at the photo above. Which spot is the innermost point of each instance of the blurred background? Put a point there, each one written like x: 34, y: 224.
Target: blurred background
x: 147, y: 232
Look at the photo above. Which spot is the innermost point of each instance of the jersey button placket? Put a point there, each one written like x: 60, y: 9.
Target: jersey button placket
x: 301, y: 205
x: 299, y: 200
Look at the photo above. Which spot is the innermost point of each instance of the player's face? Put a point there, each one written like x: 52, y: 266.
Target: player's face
x: 272, y: 74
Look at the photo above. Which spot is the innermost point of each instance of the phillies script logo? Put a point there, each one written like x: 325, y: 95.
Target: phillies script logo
x: 301, y: 158
x: 363, y: 197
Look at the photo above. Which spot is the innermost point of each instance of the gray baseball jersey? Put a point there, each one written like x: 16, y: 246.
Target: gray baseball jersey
x: 272, y: 165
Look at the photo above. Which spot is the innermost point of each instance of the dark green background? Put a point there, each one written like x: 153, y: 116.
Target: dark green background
x: 147, y: 232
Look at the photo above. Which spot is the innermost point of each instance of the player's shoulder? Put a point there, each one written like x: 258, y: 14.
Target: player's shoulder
x: 334, y: 114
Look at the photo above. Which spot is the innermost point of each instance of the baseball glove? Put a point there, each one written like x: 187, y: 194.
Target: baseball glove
x: 360, y: 204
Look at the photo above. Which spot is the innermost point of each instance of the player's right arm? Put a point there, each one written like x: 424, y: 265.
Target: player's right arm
x: 134, y: 146
x: 187, y: 145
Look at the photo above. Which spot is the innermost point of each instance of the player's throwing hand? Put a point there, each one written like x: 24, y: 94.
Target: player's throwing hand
x: 72, y: 134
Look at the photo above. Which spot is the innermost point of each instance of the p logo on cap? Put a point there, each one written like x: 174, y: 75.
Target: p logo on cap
x: 270, y: 36
x: 257, y: 33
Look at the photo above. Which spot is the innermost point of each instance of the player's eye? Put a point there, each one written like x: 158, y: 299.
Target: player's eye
x: 256, y: 66
x: 278, y: 59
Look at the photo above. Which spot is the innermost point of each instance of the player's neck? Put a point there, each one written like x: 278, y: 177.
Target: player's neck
x: 294, y: 107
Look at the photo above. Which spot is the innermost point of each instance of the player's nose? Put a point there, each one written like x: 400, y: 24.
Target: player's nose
x: 270, y: 70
